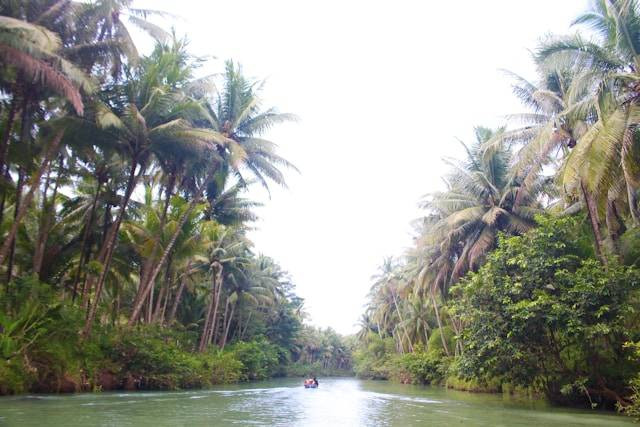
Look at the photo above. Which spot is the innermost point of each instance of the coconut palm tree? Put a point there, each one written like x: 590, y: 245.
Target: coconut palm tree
x: 140, y: 125
x: 482, y: 199
x: 236, y: 112
x: 605, y: 158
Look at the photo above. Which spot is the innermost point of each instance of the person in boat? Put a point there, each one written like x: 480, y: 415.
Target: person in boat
x: 311, y: 382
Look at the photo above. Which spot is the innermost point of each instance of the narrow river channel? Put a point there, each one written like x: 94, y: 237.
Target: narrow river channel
x: 284, y: 402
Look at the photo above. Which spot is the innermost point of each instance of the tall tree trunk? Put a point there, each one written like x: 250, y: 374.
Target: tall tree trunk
x: 457, y: 330
x: 43, y: 236
x: 404, y: 328
x: 213, y: 331
x: 149, y: 307
x: 6, y: 134
x: 425, y: 329
x: 224, y: 321
x: 34, y: 183
x: 137, y: 307
x: 437, y: 312
x: 176, y: 301
x: 4, y: 152
x: 158, y: 305
x: 111, y: 239
x: 16, y: 211
x: 149, y: 263
x: 246, y: 326
x: 226, y: 329
x: 615, y: 226
x: 216, y: 269
x: 42, y: 218
x: 88, y: 281
x: 592, y: 212
x: 627, y: 147
x: 207, y: 319
x: 84, y: 253
x: 164, y: 308
x: 164, y: 294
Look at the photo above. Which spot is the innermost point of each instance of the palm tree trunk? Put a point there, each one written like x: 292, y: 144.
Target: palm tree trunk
x: 226, y: 330
x: 164, y: 294
x: 404, y: 328
x: 148, y: 309
x: 592, y: 212
x: 149, y: 263
x: 246, y: 326
x: 176, y: 301
x: 42, y: 217
x: 43, y: 236
x: 437, y: 312
x: 631, y: 196
x: 24, y: 204
x: 214, y: 318
x: 136, y: 309
x: 164, y: 308
x: 192, y: 203
x: 615, y: 225
x: 425, y: 328
x: 84, y: 255
x: 224, y: 320
x: 110, y: 242
x: 207, y: 317
x: 4, y: 143
x: 16, y: 210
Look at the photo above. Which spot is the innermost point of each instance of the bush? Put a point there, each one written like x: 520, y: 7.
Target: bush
x: 435, y: 341
x: 154, y: 359
x: 421, y: 367
x: 540, y: 314
x: 39, y: 342
x: 374, y: 359
x: 260, y: 359
x: 223, y: 367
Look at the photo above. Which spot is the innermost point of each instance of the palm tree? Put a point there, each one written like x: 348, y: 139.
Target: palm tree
x: 52, y: 47
x: 605, y: 159
x: 227, y: 251
x: 482, y: 199
x: 236, y: 113
x: 139, y: 124
x: 388, y: 292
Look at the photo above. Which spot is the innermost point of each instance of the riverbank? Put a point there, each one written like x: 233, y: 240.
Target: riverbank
x: 143, y: 358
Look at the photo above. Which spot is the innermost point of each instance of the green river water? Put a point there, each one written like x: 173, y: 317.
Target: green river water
x: 284, y: 402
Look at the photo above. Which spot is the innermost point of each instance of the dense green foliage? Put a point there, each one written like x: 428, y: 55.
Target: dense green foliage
x: 541, y: 312
x: 125, y: 260
x: 524, y: 273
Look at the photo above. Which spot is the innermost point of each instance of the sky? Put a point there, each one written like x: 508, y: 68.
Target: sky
x: 383, y: 91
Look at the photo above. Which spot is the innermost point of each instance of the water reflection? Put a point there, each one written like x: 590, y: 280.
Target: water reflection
x: 337, y: 402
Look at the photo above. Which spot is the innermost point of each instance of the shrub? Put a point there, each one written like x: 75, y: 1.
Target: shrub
x: 222, y: 367
x: 374, y: 359
x: 540, y: 314
x: 421, y: 367
x: 260, y: 359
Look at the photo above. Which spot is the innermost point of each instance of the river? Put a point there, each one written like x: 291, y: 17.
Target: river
x: 284, y: 402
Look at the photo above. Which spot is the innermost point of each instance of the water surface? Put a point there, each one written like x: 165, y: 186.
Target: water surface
x: 284, y: 402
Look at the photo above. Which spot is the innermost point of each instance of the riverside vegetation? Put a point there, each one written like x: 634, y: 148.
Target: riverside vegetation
x: 123, y: 213
x: 523, y: 276
x: 124, y: 219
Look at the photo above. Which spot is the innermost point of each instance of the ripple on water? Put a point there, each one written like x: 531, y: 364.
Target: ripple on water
x: 338, y: 402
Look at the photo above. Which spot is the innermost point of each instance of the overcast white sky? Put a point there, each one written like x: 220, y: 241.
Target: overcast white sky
x: 382, y: 88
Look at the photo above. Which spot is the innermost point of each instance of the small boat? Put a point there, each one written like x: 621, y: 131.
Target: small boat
x: 311, y: 385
